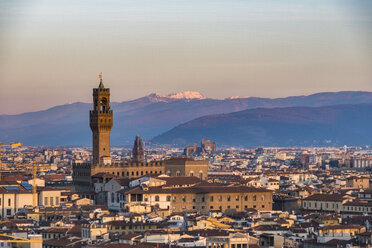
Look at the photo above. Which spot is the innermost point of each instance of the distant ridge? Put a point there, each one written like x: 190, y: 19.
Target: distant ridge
x: 293, y: 126
x: 147, y: 116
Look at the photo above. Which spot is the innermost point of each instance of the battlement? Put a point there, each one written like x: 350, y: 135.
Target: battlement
x: 81, y: 165
x: 101, y: 112
x: 107, y: 90
x: 131, y: 164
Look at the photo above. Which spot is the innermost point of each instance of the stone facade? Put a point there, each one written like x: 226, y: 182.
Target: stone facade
x: 187, y: 167
x: 203, y: 199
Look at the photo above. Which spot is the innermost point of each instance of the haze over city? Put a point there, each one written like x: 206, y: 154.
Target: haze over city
x: 186, y: 123
x: 52, y: 51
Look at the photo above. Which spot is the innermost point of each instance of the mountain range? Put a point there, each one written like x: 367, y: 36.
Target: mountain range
x: 293, y: 126
x: 154, y: 115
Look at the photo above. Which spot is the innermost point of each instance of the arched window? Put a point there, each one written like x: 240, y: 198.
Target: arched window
x: 169, y: 173
x: 201, y: 175
x: 191, y: 173
x: 156, y: 198
x: 103, y: 104
x: 178, y: 173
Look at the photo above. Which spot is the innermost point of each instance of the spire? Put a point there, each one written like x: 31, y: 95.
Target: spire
x: 101, y: 86
x: 138, y: 153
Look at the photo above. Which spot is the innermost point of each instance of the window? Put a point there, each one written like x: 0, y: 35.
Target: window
x: 168, y: 198
x: 237, y: 206
x: 193, y: 200
x: 246, y: 198
x: 184, y: 198
x: 254, y: 198
x: 228, y: 198
x: 203, y: 199
x: 263, y: 206
x: 178, y: 173
x: 228, y: 206
x: 156, y: 198
x: 8, y: 212
x: 220, y: 198
x: 51, y: 201
x: 45, y: 201
x: 237, y: 198
x: 201, y: 175
x: 262, y: 198
x: 211, y: 199
x: 57, y: 200
x: 191, y: 173
x: 112, y: 197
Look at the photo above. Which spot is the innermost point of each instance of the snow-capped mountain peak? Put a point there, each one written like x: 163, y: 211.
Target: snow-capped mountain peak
x: 180, y: 95
x: 186, y: 95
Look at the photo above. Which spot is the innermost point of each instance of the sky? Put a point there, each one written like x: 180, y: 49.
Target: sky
x: 51, y: 52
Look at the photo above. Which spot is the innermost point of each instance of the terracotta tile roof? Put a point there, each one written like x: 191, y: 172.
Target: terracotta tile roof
x: 172, y: 181
x: 198, y: 190
x: 332, y: 227
x: 358, y: 203
x: 54, y: 177
x: 63, y: 242
x: 123, y: 181
x: 325, y: 197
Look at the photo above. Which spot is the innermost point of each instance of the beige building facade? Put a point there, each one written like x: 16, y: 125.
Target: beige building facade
x: 204, y: 198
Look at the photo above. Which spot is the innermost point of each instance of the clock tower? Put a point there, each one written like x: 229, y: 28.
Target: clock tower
x: 101, y: 122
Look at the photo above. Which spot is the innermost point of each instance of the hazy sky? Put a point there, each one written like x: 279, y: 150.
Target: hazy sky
x: 52, y: 51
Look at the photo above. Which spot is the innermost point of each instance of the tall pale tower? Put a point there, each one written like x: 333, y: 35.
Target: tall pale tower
x: 101, y: 122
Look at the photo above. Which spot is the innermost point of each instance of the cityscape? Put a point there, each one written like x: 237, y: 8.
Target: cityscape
x: 129, y: 168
